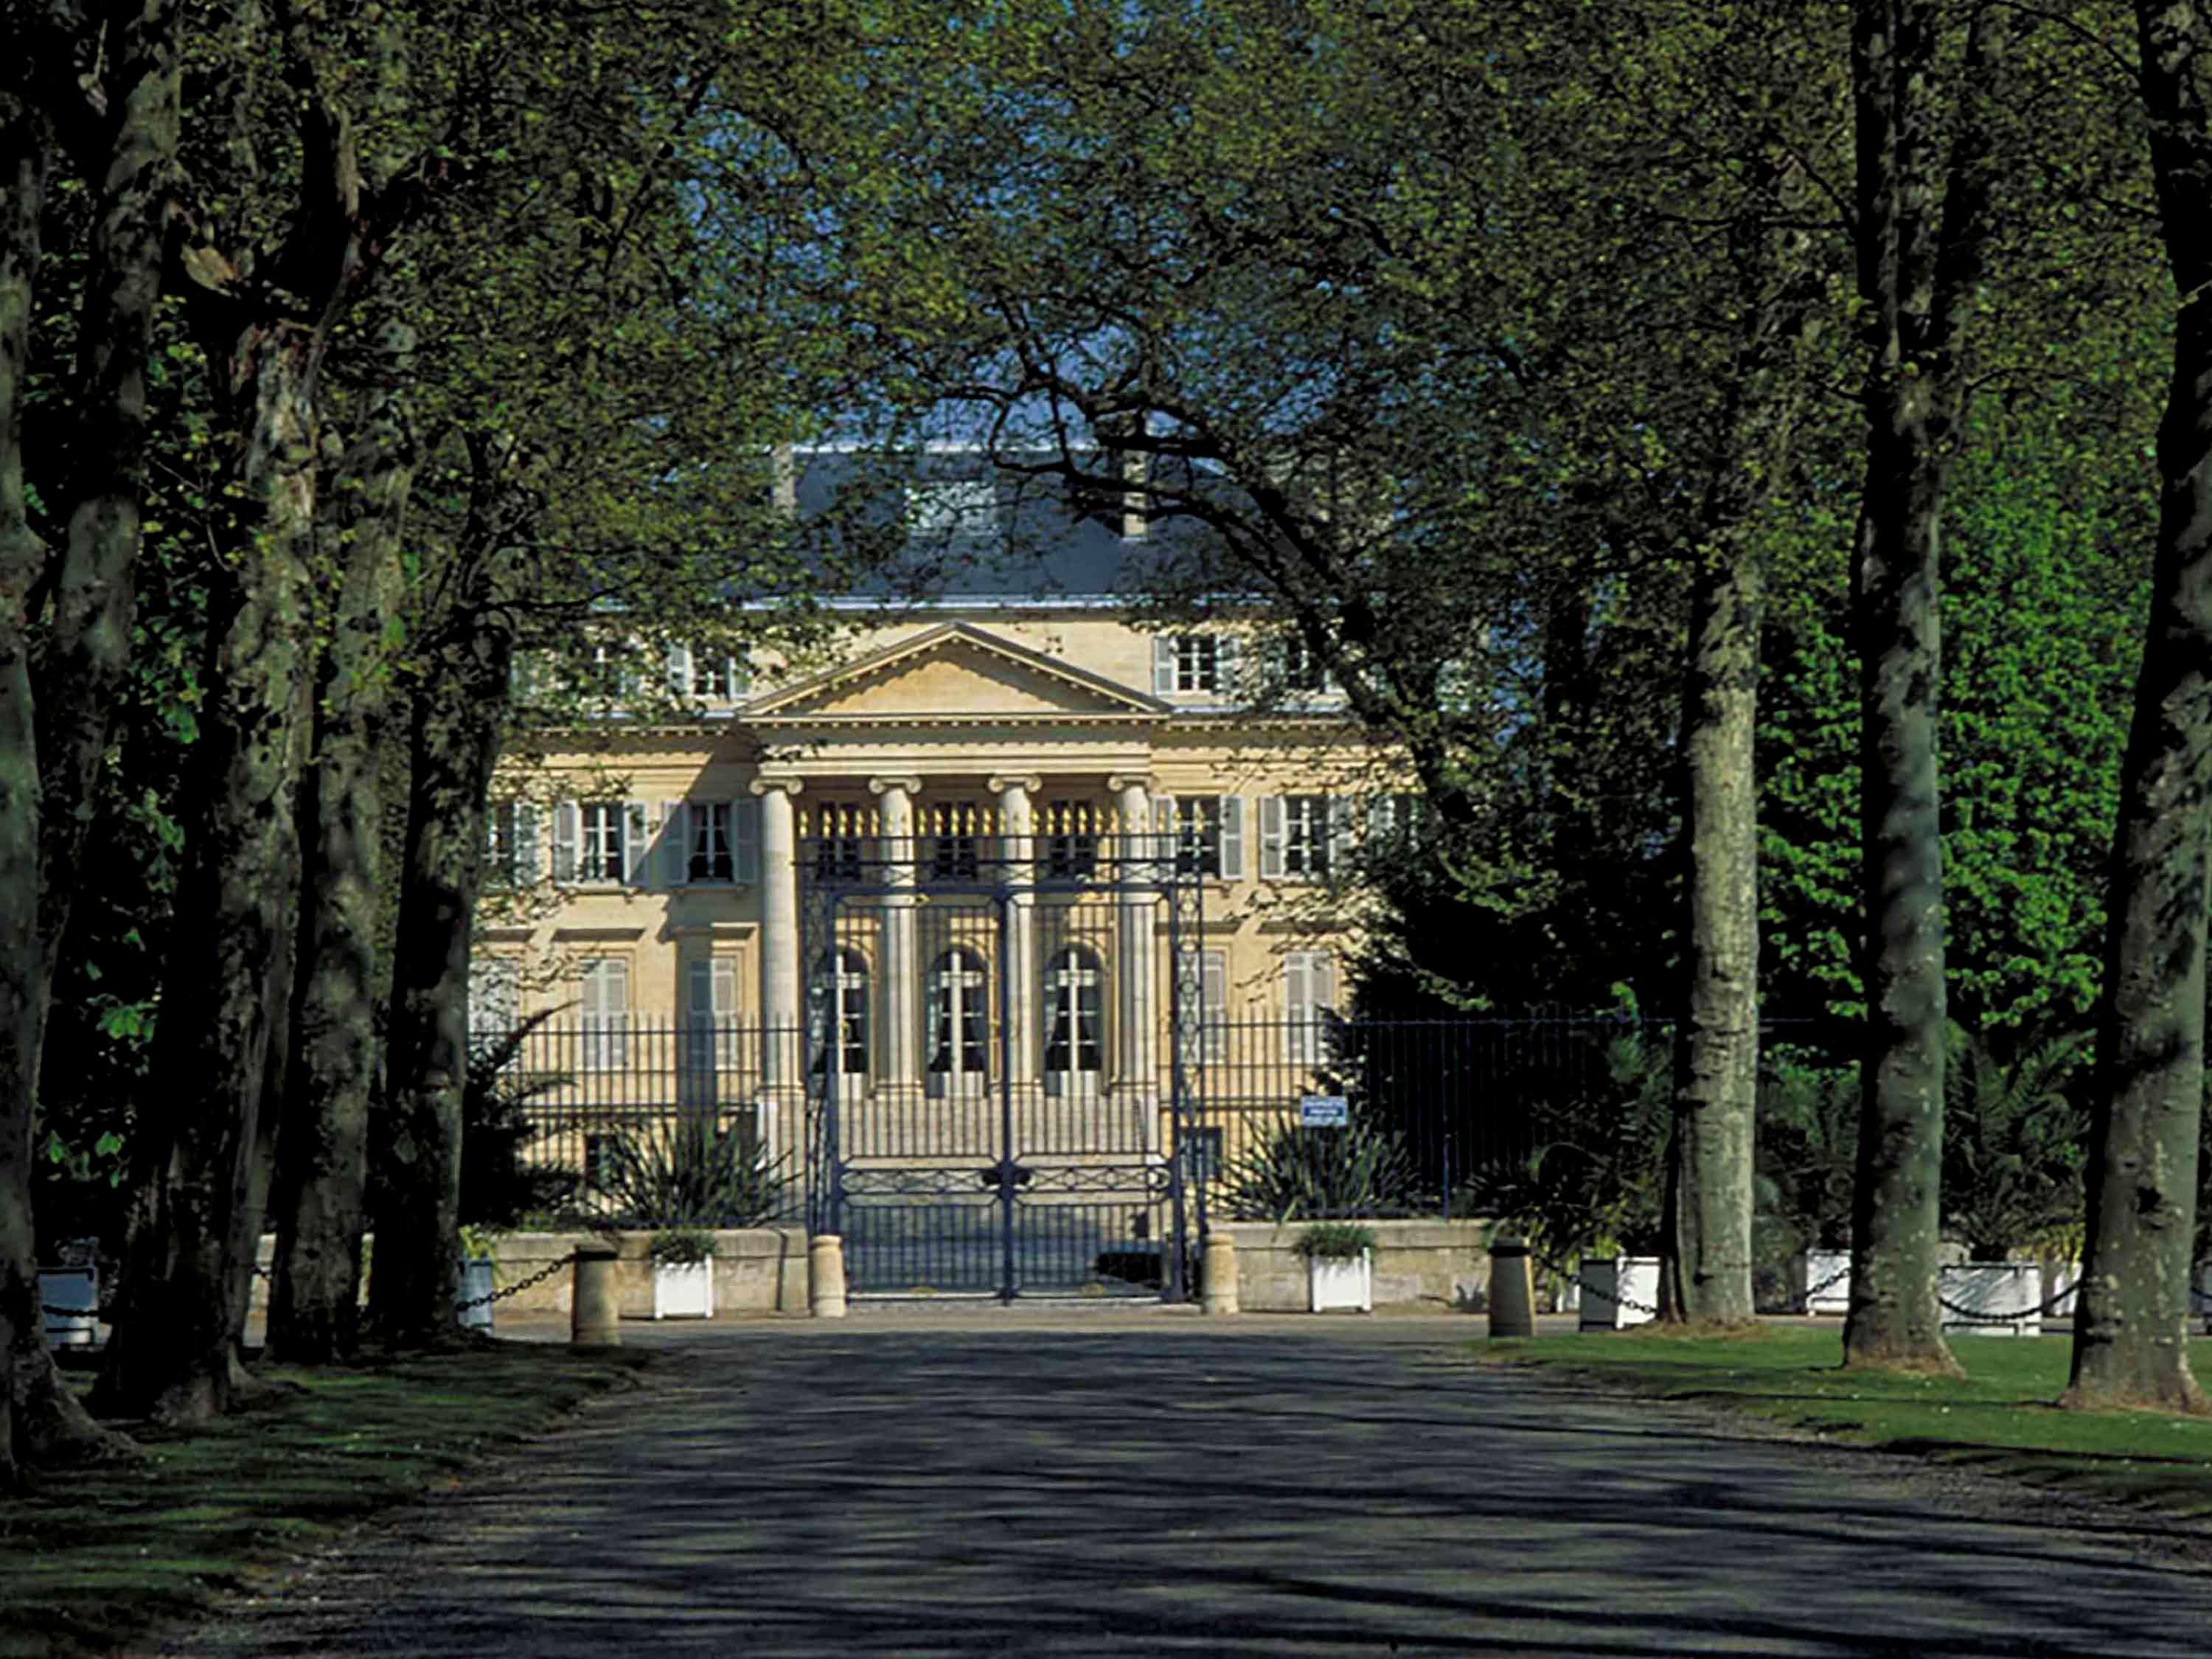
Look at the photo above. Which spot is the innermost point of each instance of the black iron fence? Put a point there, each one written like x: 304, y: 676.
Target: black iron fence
x: 1432, y: 1112
x: 1318, y: 1116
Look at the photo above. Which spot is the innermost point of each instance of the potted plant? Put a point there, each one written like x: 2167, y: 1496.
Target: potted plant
x: 683, y: 1273
x: 474, y: 1276
x: 2013, y: 1138
x: 1340, y: 1258
x: 1592, y: 1194
x: 1808, y: 1158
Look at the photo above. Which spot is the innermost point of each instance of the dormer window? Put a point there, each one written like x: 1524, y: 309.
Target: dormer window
x: 1187, y: 663
x: 956, y: 507
x: 1303, y: 668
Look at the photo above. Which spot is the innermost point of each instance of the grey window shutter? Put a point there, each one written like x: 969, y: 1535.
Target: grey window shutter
x: 1271, y: 836
x: 566, y: 829
x: 1164, y: 664
x: 637, y: 843
x: 675, y: 843
x: 526, y: 866
x: 1231, y: 808
x: 1213, y: 1002
x: 745, y: 839
x: 1228, y: 655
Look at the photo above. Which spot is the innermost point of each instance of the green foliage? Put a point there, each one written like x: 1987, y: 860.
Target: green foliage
x: 1334, y: 1240
x: 1291, y: 1173
x: 682, y: 1246
x: 1596, y: 1183
x: 1808, y: 1153
x: 686, y: 1173
x: 2046, y: 560
x: 2015, y: 1139
x: 499, y: 1187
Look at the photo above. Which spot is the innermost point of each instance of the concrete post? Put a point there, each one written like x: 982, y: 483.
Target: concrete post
x: 1217, y: 1276
x: 826, y: 1276
x: 1512, y: 1290
x: 591, y: 1318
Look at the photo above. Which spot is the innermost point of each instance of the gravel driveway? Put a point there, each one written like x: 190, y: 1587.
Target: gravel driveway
x: 1149, y: 1482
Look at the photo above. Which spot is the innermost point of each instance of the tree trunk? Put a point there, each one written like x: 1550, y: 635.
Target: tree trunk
x: 459, y: 715
x: 226, y: 991
x: 1922, y: 222
x: 323, y: 1167
x: 25, y: 157
x: 1708, y: 1192
x: 55, y: 733
x: 2130, y: 1331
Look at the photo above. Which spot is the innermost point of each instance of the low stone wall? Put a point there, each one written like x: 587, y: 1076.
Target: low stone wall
x: 757, y: 1270
x: 1437, y: 1265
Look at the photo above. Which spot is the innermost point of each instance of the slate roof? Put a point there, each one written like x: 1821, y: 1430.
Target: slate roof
x: 946, y: 524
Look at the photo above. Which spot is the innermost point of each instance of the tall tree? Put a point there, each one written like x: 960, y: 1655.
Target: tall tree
x: 2131, y: 1344
x: 266, y: 301
x: 100, y: 85
x: 1922, y: 208
x: 338, y: 986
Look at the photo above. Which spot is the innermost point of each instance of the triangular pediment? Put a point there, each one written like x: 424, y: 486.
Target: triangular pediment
x: 952, y: 672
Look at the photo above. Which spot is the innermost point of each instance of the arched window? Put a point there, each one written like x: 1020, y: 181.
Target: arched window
x: 839, y: 993
x: 959, y: 987
x: 1072, y: 1026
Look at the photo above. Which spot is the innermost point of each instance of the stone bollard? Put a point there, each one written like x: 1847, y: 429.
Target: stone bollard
x: 591, y: 1318
x: 1217, y: 1292
x: 826, y: 1276
x: 1512, y: 1290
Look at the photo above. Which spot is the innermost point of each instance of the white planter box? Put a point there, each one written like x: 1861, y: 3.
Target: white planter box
x: 683, y: 1290
x: 1824, y: 1282
x: 2000, y: 1298
x: 70, y: 1287
x: 2061, y: 1279
x: 1340, y: 1283
x: 1617, y: 1291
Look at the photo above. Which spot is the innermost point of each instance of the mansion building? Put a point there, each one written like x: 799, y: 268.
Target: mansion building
x: 941, y: 866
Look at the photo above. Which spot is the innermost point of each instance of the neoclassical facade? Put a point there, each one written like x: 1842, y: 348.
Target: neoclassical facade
x: 928, y: 863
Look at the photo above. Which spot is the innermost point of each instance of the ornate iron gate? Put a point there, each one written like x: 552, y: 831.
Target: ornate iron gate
x: 1002, y: 1053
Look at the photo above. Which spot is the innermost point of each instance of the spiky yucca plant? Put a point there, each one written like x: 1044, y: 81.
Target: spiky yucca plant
x: 2012, y: 1142
x: 1296, y: 1174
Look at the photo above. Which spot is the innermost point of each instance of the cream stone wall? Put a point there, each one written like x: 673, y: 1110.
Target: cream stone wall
x: 992, y: 712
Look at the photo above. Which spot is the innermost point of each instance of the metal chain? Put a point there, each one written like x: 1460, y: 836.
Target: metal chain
x: 1975, y: 1316
x: 1617, y: 1301
x: 518, y: 1287
x: 1827, y: 1283
x: 535, y: 1280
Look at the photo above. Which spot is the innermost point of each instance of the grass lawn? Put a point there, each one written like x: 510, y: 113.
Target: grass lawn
x: 2000, y: 1419
x: 98, y: 1558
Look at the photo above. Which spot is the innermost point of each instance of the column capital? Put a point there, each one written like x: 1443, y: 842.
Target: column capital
x: 789, y: 786
x: 1121, y: 780
x: 1028, y: 781
x: 883, y: 786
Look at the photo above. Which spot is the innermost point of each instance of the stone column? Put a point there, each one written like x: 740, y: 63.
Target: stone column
x: 901, y: 976
x: 1017, y: 825
x: 782, y: 1051
x: 1134, y: 974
